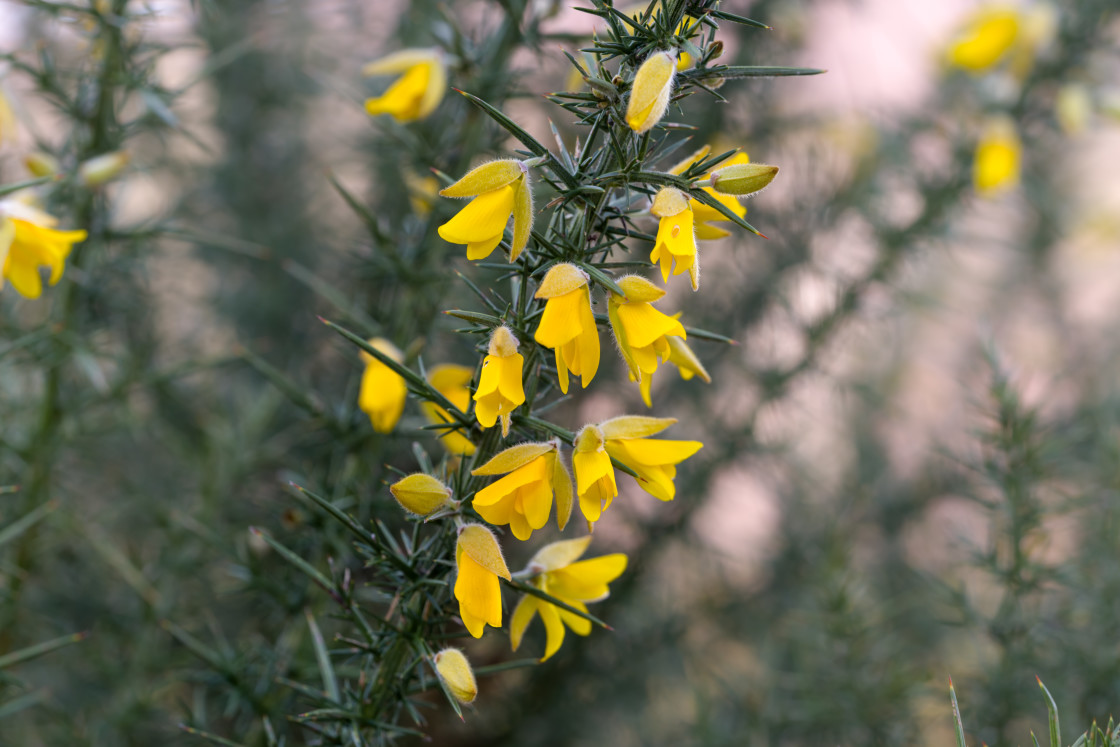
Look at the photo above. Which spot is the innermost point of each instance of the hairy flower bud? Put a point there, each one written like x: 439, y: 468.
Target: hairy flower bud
x: 743, y: 178
x: 41, y: 164
x: 649, y: 95
x: 455, y: 671
x: 420, y: 494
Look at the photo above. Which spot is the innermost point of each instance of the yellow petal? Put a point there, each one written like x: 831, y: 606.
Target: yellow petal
x: 522, y: 219
x: 484, y: 217
x: 990, y: 34
x: 513, y: 457
x: 645, y: 324
x: 479, y: 595
x: 634, y: 426
x: 579, y: 625
x: 559, y: 554
x: 522, y: 615
x: 561, y: 279
x: 479, y: 543
x: 486, y: 178
x: 382, y: 393
x: 637, y: 288
x: 682, y: 356
x: 561, y: 321
x: 590, y: 467
x: 562, y: 484
x: 696, y: 157
x: 554, y: 630
x: 402, y: 99
x: 668, y: 202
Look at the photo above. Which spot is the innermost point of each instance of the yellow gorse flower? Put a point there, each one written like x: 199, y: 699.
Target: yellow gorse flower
x: 561, y: 574
x: 650, y: 92
x: 479, y: 561
x: 455, y: 671
x: 523, y: 498
x: 500, y: 390
x: 29, y: 241
x: 383, y: 391
x: 653, y: 460
x: 996, y: 168
x: 568, y: 324
x: 451, y: 381
x: 703, y: 215
x: 417, y: 92
x: 595, y: 481
x: 642, y: 331
x: 675, y: 246
x: 500, y: 189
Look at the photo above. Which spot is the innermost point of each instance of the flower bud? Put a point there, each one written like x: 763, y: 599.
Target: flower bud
x: 743, y: 178
x: 649, y: 95
x: 41, y: 164
x: 420, y: 494
x: 101, y: 169
x: 455, y: 671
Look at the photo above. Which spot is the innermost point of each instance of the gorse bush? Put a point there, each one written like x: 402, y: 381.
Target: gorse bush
x: 346, y: 350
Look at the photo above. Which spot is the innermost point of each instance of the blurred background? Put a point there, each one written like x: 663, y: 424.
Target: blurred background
x: 912, y: 454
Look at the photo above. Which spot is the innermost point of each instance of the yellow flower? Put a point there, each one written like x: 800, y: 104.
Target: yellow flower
x: 499, y: 388
x: 681, y: 356
x: 703, y: 215
x: 500, y: 189
x: 455, y: 671
x: 996, y: 33
x: 420, y: 494
x: 568, y: 324
x: 653, y: 460
x: 415, y: 94
x: 650, y: 92
x: 595, y: 482
x: 29, y: 241
x: 996, y: 167
x: 642, y: 331
x: 451, y: 381
x: 574, y: 583
x: 1074, y: 108
x: 523, y: 498
x: 382, y: 391
x: 675, y: 246
x: 479, y: 561
x: 987, y: 36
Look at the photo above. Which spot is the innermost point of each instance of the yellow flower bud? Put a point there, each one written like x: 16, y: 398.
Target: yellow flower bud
x: 743, y: 178
x: 41, y: 164
x: 455, y: 671
x: 104, y: 168
x: 650, y: 92
x: 420, y: 494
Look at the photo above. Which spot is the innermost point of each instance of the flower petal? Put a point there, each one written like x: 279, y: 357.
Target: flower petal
x: 484, y: 217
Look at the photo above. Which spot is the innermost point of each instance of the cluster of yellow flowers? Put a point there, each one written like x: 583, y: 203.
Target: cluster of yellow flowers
x: 531, y: 476
x: 1005, y: 39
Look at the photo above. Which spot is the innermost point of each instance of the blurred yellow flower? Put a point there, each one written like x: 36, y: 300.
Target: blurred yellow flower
x: 417, y: 92
x: 558, y: 574
x: 987, y: 36
x: 675, y: 246
x: 568, y: 324
x: 500, y: 390
x: 653, y: 460
x: 500, y: 189
x: 641, y: 331
x: 997, y: 33
x: 7, y: 118
x: 29, y: 241
x: 479, y: 561
x: 383, y: 391
x: 650, y: 92
x: 451, y: 381
x: 996, y: 168
x: 523, y: 498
